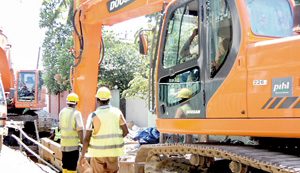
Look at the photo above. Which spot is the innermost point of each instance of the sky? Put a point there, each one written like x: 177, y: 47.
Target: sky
x: 19, y: 20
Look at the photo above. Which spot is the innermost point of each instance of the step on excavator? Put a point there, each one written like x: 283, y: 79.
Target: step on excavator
x: 219, y: 68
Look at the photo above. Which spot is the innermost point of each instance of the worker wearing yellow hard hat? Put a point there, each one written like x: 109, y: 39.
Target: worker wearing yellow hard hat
x: 107, y: 144
x: 103, y: 94
x: 184, y: 94
x: 182, y: 112
x: 71, y: 125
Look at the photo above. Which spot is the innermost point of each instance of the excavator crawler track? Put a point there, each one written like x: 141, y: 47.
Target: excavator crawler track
x: 262, y: 159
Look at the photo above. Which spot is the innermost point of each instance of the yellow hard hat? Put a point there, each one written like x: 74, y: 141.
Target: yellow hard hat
x: 72, y: 98
x: 103, y: 93
x: 184, y: 93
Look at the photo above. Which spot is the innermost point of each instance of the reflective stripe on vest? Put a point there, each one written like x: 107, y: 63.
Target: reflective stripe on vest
x: 108, y: 142
x: 107, y: 146
x: 57, y: 134
x: 108, y: 136
x: 69, y: 135
x: 185, y: 108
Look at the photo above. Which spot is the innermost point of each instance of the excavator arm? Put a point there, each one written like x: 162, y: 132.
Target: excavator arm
x: 89, y: 18
x: 6, y: 70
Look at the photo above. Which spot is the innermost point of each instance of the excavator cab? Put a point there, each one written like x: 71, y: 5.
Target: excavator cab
x: 29, y: 89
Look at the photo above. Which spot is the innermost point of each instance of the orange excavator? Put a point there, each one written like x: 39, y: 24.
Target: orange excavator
x: 21, y: 96
x: 219, y: 68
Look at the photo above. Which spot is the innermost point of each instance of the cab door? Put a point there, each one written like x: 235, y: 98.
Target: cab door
x: 180, y: 73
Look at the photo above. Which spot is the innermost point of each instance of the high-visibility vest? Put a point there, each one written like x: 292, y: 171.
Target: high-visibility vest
x: 185, y: 108
x: 57, y: 134
x: 69, y: 134
x: 108, y: 142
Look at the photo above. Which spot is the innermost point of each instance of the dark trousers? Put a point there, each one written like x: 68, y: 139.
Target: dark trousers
x: 70, y: 159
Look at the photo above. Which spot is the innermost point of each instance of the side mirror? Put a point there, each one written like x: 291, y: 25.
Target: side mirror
x: 296, y: 26
x: 143, y: 43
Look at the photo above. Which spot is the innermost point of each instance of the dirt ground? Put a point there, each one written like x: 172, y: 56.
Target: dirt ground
x: 13, y: 161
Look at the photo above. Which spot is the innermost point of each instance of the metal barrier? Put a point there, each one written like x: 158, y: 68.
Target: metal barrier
x: 33, y: 153
x: 14, y: 125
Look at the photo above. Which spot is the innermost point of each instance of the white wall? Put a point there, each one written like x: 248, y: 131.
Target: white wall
x: 115, y: 100
x: 137, y: 111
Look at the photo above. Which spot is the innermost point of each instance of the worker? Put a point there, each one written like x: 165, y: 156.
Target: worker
x: 105, y: 130
x: 30, y: 84
x: 221, y: 52
x: 185, y: 94
x: 56, y: 134
x: 186, y: 49
x: 71, y: 125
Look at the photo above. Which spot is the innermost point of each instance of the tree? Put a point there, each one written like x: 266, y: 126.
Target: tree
x: 58, y: 41
x: 297, y: 1
x: 139, y: 85
x: 121, y: 61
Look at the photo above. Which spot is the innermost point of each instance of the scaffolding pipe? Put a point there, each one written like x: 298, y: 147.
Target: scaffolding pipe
x: 36, y: 131
x: 34, y: 141
x: 21, y: 137
x: 33, y: 153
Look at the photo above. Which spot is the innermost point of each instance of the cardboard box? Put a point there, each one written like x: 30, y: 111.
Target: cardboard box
x: 55, y: 147
x: 56, y: 162
x: 44, y: 154
x: 126, y: 167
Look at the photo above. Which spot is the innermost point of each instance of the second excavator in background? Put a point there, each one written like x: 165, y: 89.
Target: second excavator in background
x: 21, y: 94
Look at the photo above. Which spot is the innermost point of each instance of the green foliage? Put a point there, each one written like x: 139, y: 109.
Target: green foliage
x: 122, y: 66
x: 57, y: 43
x: 139, y: 85
x: 121, y: 62
x: 297, y: 1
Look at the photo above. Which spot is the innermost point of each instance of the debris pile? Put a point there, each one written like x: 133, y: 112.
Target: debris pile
x: 131, y: 146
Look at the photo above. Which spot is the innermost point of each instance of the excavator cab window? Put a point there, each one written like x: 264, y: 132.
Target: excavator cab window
x: 272, y: 18
x: 171, y: 87
x: 26, y: 86
x: 220, y: 34
x: 182, y: 36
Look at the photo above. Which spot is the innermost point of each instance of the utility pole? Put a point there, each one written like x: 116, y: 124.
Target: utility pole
x: 38, y: 60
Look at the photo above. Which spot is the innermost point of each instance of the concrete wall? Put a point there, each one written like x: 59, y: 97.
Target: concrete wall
x: 137, y: 111
x: 57, y: 103
x: 115, y: 99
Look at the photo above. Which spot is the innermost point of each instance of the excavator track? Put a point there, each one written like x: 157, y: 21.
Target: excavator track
x: 240, y: 156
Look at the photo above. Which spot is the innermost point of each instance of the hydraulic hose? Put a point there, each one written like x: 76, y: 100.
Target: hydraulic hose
x: 102, y: 51
x: 81, y: 43
x: 79, y: 35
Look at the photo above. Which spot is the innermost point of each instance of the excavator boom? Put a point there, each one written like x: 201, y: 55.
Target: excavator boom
x: 6, y: 69
x: 110, y: 12
x: 89, y: 18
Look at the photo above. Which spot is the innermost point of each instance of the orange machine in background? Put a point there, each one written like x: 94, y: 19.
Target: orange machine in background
x: 220, y: 67
x: 24, y: 93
